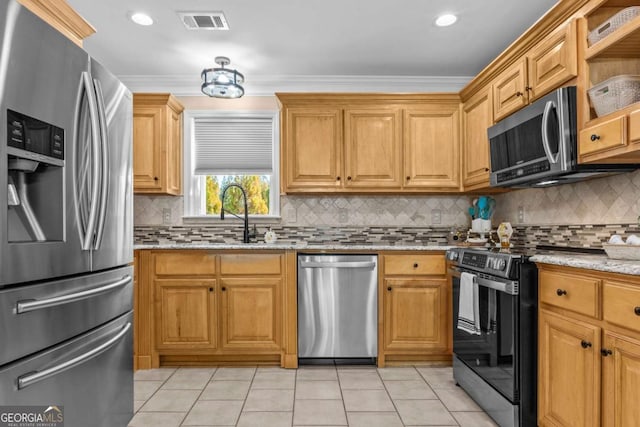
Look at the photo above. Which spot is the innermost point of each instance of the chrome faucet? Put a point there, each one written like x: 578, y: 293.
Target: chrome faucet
x: 246, y: 235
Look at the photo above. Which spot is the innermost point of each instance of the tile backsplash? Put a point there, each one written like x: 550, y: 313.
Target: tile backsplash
x: 343, y: 211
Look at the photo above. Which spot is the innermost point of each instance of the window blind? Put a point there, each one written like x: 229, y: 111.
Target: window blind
x: 233, y: 146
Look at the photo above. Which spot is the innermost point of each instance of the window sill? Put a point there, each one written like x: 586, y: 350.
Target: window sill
x: 215, y: 220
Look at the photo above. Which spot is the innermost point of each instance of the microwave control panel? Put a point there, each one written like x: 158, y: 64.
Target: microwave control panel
x: 532, y: 169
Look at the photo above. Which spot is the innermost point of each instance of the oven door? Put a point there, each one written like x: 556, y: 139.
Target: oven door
x: 492, y: 355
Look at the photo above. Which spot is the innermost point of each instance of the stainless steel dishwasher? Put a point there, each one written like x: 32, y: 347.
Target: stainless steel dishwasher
x: 337, y: 307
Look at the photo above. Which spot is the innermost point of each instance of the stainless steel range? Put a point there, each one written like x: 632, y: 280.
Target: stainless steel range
x: 495, y: 359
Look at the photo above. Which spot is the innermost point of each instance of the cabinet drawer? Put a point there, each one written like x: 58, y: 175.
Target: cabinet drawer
x: 571, y: 292
x: 622, y: 305
x: 634, y: 126
x: 414, y: 264
x: 196, y: 263
x: 605, y: 136
x: 249, y: 264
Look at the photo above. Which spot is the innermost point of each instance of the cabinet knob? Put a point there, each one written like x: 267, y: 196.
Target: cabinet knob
x: 606, y: 352
x: 585, y: 344
x: 528, y: 88
x: 408, y: 178
x: 595, y: 137
x: 210, y: 289
x: 519, y: 93
x: 561, y: 292
x: 415, y: 265
x: 337, y: 178
x: 348, y: 178
x: 389, y: 288
x: 155, y: 178
x: 486, y: 169
x: 223, y: 289
x: 637, y: 311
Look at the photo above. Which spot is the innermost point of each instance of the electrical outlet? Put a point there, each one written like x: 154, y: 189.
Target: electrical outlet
x: 166, y: 216
x: 520, y: 214
x: 343, y: 216
x: 436, y: 216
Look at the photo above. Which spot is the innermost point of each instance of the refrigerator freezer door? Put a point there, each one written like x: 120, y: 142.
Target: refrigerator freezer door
x: 38, y: 316
x: 113, y: 240
x: 90, y: 376
x: 40, y: 76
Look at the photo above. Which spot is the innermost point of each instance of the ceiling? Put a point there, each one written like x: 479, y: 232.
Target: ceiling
x: 307, y: 45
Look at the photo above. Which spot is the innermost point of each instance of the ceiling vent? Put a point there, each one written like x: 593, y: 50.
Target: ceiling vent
x: 204, y: 20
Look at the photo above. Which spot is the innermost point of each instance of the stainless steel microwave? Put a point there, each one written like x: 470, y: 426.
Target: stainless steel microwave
x: 538, y: 145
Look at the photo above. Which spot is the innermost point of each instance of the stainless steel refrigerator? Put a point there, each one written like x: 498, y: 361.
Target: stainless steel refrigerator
x: 66, y: 227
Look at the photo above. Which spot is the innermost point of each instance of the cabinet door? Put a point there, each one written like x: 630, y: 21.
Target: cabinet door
x: 251, y: 314
x: 568, y: 372
x: 477, y: 117
x: 373, y: 148
x: 621, y: 381
x: 174, y: 152
x: 416, y: 315
x: 312, y: 145
x: 634, y: 126
x: 553, y: 61
x: 185, y: 314
x: 148, y: 133
x: 509, y: 90
x: 431, y: 148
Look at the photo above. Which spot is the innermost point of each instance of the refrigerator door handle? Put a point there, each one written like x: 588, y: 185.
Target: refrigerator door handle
x: 32, y: 378
x: 95, y: 156
x: 33, y: 305
x: 104, y: 178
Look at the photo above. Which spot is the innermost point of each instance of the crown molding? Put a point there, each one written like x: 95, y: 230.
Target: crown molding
x: 188, y: 85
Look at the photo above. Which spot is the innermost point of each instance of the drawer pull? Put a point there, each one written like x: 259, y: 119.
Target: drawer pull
x: 561, y: 292
x: 415, y: 265
x: 606, y: 352
x: 585, y: 344
x: 637, y: 311
x: 595, y: 137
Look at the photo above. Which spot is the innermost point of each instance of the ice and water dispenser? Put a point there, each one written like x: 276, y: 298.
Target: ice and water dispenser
x: 35, y: 168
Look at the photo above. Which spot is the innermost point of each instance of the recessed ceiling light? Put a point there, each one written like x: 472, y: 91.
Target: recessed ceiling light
x: 142, y: 19
x: 446, y: 20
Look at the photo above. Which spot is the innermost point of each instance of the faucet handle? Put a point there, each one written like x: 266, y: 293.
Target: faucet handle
x: 253, y: 233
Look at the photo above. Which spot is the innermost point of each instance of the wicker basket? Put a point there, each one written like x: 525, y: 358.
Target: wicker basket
x: 629, y: 252
x: 613, y: 23
x: 615, y: 93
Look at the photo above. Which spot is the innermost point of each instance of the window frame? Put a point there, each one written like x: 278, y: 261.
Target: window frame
x: 194, y: 200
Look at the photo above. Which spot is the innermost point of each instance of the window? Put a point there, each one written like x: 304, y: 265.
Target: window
x: 222, y: 148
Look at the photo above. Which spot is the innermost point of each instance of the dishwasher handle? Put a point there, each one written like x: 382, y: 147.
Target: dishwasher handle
x: 337, y: 264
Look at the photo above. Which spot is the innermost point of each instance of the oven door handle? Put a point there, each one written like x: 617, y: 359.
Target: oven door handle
x: 508, y: 287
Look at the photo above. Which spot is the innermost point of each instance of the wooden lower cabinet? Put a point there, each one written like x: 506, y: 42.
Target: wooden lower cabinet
x: 414, y: 309
x: 251, y: 314
x: 589, y: 361
x: 415, y: 315
x: 568, y: 372
x: 185, y: 314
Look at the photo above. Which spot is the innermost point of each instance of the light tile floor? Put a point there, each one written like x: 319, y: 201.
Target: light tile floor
x: 309, y: 396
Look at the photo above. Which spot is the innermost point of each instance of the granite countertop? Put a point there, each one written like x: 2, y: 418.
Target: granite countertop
x: 590, y: 262
x: 299, y: 246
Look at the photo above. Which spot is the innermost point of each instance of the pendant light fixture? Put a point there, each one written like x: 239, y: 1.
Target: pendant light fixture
x: 222, y: 82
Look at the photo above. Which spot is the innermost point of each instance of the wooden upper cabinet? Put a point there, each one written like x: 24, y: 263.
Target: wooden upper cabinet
x: 477, y: 117
x: 157, y: 144
x: 312, y: 148
x: 373, y: 148
x: 62, y: 17
x: 553, y: 61
x: 549, y: 64
x: 510, y: 90
x: 634, y: 126
x: 432, y: 147
x: 620, y: 381
x: 568, y: 372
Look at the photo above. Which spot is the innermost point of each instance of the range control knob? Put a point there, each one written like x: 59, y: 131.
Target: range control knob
x: 499, y: 264
x: 452, y: 255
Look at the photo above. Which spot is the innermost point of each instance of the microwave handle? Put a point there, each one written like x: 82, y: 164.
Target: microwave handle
x: 545, y: 136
